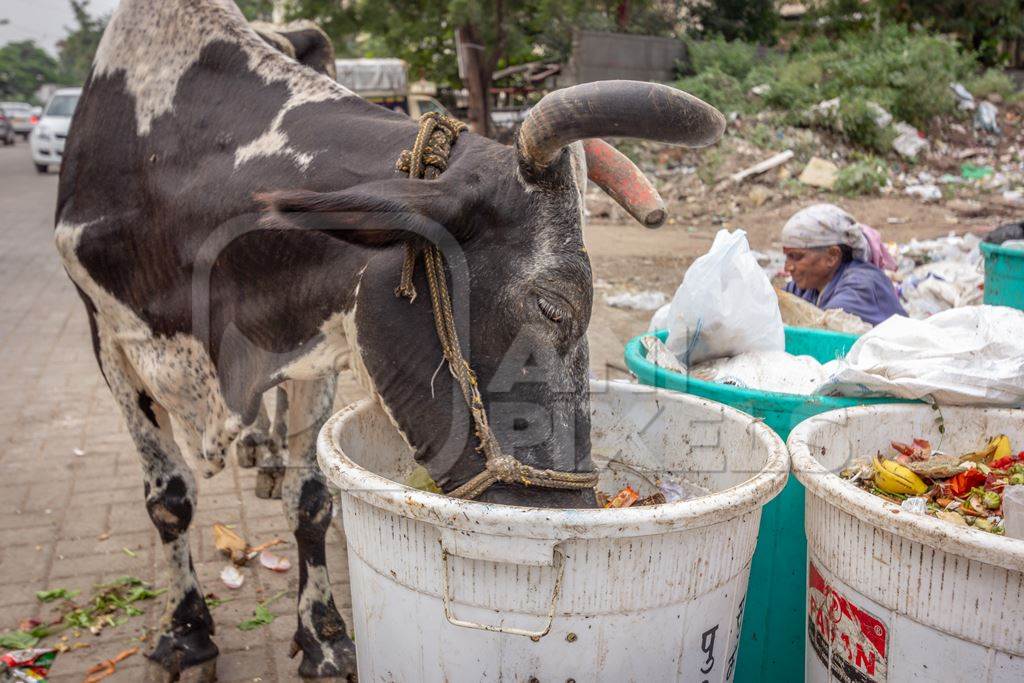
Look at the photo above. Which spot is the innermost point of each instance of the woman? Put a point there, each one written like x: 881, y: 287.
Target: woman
x: 836, y: 262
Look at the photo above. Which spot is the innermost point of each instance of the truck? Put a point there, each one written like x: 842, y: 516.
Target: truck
x: 385, y: 81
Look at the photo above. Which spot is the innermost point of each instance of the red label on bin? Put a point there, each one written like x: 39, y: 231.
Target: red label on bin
x: 850, y: 641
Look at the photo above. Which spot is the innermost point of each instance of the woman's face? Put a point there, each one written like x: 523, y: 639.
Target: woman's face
x: 812, y: 268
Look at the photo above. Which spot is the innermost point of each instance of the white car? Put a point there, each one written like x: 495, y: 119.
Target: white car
x: 47, y: 138
x: 21, y: 116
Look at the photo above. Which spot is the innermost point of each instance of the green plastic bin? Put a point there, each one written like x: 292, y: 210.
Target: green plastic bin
x: 774, y: 620
x: 1004, y: 275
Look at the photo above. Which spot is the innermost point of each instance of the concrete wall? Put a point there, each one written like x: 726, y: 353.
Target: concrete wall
x: 598, y: 56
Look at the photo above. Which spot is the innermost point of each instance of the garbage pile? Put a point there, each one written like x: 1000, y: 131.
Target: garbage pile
x: 939, y: 274
x: 965, y: 490
x: 963, y: 356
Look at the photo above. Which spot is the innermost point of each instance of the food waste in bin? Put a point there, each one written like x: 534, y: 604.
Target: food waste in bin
x: 966, y: 489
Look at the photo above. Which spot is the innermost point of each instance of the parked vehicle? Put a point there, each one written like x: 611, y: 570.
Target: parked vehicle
x: 6, y: 129
x: 385, y: 82
x: 21, y: 117
x: 47, y: 139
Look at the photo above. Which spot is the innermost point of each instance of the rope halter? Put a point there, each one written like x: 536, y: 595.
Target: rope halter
x: 428, y: 159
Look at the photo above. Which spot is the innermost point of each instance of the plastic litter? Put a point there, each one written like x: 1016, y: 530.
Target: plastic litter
x: 916, y: 506
x: 637, y: 301
x: 764, y: 370
x: 964, y: 99
x: 1013, y: 511
x: 986, y: 118
x: 935, y: 287
x: 659, y: 354
x: 880, y: 115
x: 963, y: 356
x: 908, y: 142
x: 725, y: 305
x: 927, y: 193
x: 972, y: 172
x: 30, y: 665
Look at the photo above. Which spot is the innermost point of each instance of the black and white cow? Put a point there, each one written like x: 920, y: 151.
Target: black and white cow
x: 199, y: 304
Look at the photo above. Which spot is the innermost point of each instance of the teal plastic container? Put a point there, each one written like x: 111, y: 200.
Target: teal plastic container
x: 1004, y: 275
x: 775, y: 613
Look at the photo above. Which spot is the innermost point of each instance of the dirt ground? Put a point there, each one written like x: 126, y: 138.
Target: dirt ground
x: 628, y: 257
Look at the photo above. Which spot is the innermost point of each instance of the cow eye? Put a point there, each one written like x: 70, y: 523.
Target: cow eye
x: 550, y: 310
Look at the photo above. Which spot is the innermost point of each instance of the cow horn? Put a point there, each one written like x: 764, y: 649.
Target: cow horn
x: 632, y: 109
x: 619, y: 177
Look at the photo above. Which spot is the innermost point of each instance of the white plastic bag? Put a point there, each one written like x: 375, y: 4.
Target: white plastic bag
x: 725, y: 305
x: 776, y: 371
x: 964, y: 356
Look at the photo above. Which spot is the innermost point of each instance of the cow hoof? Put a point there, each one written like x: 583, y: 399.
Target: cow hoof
x: 269, y: 482
x: 190, y: 657
x: 329, y: 661
x: 246, y: 452
x: 205, y: 672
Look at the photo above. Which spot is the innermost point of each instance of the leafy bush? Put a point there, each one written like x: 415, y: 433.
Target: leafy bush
x: 867, y: 176
x: 992, y: 82
x: 735, y: 58
x: 857, y: 122
x: 716, y: 88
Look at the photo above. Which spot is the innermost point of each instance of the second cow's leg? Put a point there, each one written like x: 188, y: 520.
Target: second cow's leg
x: 327, y: 651
x: 183, y: 642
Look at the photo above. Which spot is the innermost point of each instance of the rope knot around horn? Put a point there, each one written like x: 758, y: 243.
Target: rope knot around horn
x: 427, y: 159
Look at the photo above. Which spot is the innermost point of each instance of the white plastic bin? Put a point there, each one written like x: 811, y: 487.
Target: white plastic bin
x: 452, y: 590
x: 896, y: 596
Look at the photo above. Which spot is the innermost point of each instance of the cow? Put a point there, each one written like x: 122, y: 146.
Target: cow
x: 234, y: 222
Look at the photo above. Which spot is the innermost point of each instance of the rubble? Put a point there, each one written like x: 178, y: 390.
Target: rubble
x: 909, y: 142
x: 927, y: 193
x: 764, y: 166
x: 819, y: 173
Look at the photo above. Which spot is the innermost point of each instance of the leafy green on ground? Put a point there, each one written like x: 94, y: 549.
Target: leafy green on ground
x: 55, y: 594
x: 110, y: 605
x: 261, y: 616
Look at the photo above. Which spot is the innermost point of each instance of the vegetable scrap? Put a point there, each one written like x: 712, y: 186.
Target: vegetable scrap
x: 230, y: 543
x: 261, y: 616
x: 108, y: 666
x: 27, y: 664
x: 966, y: 490
x: 231, y: 577
x: 274, y: 563
x: 669, y: 490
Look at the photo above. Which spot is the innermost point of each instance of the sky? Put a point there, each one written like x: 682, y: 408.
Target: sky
x: 43, y: 20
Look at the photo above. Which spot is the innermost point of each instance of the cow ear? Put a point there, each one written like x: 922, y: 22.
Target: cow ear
x: 376, y: 214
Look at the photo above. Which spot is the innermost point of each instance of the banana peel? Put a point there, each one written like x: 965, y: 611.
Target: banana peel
x: 892, y: 477
x: 997, y: 448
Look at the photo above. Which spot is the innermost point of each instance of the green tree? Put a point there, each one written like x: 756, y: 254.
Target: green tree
x: 492, y: 34
x: 750, y: 20
x: 981, y: 25
x: 256, y: 10
x: 24, y: 66
x: 77, y: 49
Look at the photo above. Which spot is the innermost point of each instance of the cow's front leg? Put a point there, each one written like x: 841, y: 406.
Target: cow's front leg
x: 320, y: 635
x: 183, y: 643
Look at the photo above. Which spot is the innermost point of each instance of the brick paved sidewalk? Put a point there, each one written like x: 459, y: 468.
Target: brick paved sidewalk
x: 56, y: 506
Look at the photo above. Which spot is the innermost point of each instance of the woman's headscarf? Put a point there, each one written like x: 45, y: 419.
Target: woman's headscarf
x: 826, y: 225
